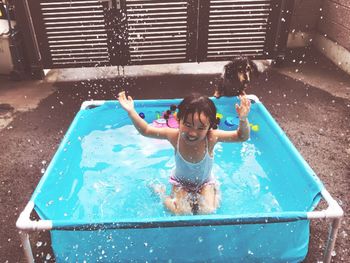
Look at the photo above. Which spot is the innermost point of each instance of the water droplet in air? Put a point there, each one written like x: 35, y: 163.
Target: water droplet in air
x: 220, y: 247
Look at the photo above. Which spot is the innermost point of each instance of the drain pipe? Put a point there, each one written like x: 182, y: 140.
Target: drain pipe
x: 34, y: 40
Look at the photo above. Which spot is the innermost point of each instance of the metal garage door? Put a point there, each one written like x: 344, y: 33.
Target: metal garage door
x: 78, y: 33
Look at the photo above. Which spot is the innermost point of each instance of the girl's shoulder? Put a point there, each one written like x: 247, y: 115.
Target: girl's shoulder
x: 212, y: 136
x: 212, y: 139
x: 173, y: 135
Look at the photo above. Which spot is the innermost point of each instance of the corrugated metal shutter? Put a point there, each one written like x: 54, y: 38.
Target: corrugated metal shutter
x: 157, y: 31
x: 76, y: 32
x: 237, y: 27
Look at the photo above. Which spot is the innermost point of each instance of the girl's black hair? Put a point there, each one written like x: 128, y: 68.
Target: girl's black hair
x: 167, y: 114
x: 197, y: 103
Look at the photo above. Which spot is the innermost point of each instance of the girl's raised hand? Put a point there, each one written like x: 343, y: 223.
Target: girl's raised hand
x: 126, y: 103
x: 244, y: 108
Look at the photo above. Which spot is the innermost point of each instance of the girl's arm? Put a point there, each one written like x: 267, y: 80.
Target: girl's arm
x: 140, y: 124
x: 243, y: 131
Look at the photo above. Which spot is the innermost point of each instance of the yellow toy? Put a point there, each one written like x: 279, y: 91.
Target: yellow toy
x: 254, y: 127
x: 219, y: 115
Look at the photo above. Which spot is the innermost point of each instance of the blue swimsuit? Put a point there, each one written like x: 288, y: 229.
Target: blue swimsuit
x: 192, y: 176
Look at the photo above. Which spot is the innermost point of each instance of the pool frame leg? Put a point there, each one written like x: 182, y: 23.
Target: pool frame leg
x: 26, y: 246
x: 25, y: 225
x: 333, y: 232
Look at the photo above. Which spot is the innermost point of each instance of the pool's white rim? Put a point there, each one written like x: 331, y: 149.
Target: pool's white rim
x: 332, y: 211
x: 25, y: 223
x: 253, y: 98
x: 86, y: 104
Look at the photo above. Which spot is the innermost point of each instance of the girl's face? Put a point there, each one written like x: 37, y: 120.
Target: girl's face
x: 194, y: 128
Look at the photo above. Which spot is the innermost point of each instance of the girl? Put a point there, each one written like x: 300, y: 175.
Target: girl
x: 194, y: 188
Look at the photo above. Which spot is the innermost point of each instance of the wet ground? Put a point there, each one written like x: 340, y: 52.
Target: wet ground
x: 309, y: 99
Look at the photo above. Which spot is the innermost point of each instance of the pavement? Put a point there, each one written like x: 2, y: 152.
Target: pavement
x: 308, y: 96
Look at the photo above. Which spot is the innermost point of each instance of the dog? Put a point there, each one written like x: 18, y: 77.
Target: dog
x: 236, y: 77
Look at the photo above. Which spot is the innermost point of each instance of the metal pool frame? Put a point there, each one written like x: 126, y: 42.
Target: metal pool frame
x: 333, y: 212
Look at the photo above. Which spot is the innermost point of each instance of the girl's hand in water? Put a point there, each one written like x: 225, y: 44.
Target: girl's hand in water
x: 126, y: 103
x: 244, y: 108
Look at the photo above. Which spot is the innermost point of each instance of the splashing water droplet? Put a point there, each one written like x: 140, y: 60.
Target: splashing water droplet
x: 220, y: 247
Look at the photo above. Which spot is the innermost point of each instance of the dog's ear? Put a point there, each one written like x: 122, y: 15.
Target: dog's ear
x: 229, y: 70
x: 254, y: 67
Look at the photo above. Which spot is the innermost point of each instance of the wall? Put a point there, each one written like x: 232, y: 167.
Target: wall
x: 304, y: 22
x: 334, y: 23
x: 333, y: 36
x: 325, y: 24
x: 330, y: 18
x: 306, y: 15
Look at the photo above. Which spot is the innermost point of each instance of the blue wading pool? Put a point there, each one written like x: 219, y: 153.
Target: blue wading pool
x: 95, y: 191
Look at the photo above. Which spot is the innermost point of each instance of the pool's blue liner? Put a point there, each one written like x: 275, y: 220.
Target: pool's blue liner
x: 231, y: 235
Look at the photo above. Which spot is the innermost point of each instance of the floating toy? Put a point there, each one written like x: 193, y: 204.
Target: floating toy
x: 161, y: 122
x: 142, y: 115
x: 219, y: 115
x: 255, y: 127
x: 158, y: 115
x: 232, y: 121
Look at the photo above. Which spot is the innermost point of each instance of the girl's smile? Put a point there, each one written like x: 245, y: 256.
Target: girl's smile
x: 194, y: 128
x: 188, y: 138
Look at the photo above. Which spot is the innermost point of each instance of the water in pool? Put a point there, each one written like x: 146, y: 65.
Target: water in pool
x: 103, y: 169
x: 118, y: 164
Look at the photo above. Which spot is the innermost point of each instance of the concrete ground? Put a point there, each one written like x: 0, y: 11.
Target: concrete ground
x: 307, y: 95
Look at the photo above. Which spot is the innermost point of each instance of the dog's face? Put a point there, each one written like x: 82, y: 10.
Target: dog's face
x: 236, y: 77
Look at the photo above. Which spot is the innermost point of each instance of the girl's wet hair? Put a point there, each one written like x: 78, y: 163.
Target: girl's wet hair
x: 197, y: 103
x: 167, y: 114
